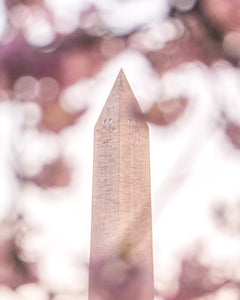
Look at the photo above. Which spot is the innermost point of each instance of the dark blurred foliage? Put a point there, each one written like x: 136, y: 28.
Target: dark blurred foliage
x: 55, y: 118
x: 207, y: 31
x: 55, y: 174
x: 195, y: 43
x: 226, y: 216
x: 164, y: 113
x: 198, y: 280
x: 14, y: 270
x: 232, y: 130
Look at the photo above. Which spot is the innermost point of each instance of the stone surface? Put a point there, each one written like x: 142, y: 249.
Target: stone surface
x: 121, y: 260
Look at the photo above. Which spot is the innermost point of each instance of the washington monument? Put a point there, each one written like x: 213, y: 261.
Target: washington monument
x: 121, y: 259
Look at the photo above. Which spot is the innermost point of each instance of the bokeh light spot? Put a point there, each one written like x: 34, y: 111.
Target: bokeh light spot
x: 157, y: 36
x: 66, y: 14
x: 25, y: 88
x: 65, y: 24
x: 39, y: 32
x: 185, y: 5
x: 33, y: 154
x: 31, y: 291
x: 74, y: 98
x: 48, y: 88
x: 32, y: 113
x: 18, y: 15
x: 123, y: 16
x: 3, y: 19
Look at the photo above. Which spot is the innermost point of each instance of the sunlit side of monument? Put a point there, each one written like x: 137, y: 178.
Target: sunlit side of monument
x: 121, y: 260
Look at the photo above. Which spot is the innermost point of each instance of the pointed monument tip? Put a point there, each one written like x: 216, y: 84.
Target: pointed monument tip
x: 121, y: 76
x: 121, y: 73
x: 121, y: 103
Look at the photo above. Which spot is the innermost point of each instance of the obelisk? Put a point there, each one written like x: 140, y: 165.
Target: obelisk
x: 121, y: 259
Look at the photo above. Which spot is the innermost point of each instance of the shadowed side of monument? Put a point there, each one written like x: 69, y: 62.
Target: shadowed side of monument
x: 121, y: 260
